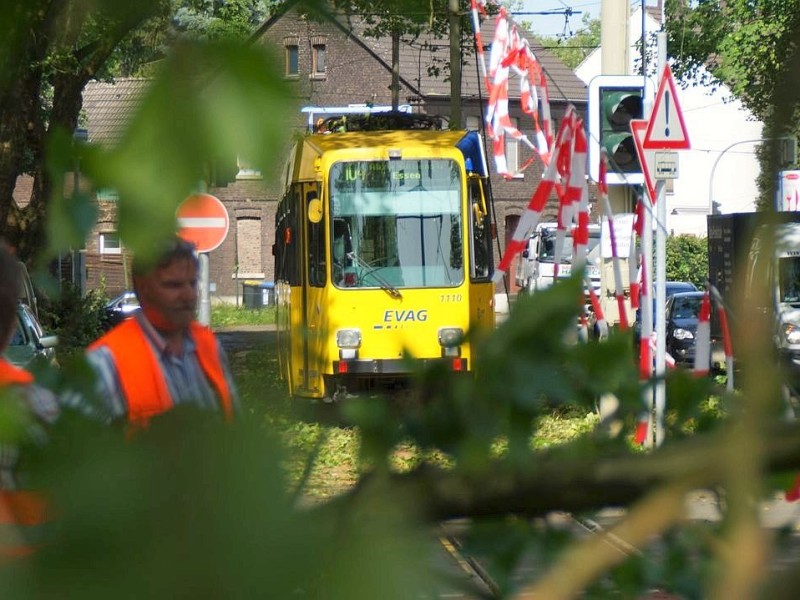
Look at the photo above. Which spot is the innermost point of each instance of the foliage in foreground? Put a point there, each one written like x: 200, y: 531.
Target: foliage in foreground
x: 230, y: 503
x: 190, y: 508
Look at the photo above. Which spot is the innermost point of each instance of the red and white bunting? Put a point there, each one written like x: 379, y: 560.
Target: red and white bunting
x: 530, y: 218
x: 476, y: 7
x: 511, y: 52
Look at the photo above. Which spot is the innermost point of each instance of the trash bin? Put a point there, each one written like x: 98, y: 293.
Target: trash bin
x: 268, y: 293
x: 251, y: 294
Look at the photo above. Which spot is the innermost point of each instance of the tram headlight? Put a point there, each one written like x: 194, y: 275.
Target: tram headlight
x: 450, y: 339
x: 348, y: 341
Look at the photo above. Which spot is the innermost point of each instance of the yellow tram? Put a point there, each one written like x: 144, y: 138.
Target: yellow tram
x: 383, y: 252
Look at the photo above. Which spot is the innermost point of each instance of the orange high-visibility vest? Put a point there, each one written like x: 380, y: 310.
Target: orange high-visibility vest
x: 141, y: 377
x: 21, y: 512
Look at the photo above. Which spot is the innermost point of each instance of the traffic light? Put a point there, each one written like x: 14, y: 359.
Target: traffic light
x: 617, y: 108
x: 614, y: 100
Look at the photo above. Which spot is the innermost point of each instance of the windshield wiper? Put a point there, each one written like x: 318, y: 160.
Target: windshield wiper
x: 372, y: 272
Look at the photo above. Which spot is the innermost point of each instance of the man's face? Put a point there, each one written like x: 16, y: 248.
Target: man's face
x: 169, y: 295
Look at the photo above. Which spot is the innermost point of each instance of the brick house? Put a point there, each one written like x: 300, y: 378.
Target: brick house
x: 332, y: 64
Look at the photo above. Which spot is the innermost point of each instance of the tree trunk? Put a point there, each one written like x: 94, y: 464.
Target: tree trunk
x: 455, y: 65
x: 46, y: 32
x: 25, y: 46
x: 395, y: 69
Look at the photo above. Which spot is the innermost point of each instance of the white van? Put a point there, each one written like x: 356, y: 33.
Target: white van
x: 778, y: 271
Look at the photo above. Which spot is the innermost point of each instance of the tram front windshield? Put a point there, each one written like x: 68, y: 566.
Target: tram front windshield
x: 396, y: 223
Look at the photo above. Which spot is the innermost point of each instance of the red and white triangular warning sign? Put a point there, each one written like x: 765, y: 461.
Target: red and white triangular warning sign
x: 666, y: 129
x: 646, y: 157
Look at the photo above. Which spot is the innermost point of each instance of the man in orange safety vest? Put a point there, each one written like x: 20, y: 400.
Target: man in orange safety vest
x: 161, y: 357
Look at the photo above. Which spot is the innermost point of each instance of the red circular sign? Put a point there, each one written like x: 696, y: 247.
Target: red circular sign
x: 203, y: 220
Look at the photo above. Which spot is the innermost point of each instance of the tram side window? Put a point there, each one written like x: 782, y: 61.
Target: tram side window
x: 481, y: 233
x: 292, y: 242
x: 277, y: 248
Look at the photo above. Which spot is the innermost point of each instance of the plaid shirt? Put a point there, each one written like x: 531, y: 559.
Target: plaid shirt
x: 43, y: 407
x: 186, y: 381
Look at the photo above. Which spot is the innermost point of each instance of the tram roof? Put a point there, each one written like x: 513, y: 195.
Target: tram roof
x: 313, y: 146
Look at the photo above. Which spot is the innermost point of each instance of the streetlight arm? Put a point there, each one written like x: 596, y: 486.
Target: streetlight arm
x: 716, y: 162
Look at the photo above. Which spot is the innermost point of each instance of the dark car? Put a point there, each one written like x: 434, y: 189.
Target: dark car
x: 120, y: 308
x: 29, y: 345
x: 671, y: 288
x: 682, y: 316
x: 676, y: 287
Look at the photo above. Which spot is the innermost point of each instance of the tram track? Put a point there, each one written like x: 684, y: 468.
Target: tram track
x: 478, y: 577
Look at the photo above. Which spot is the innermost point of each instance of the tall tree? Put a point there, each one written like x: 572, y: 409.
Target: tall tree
x: 50, y: 50
x: 574, y: 49
x: 743, y: 44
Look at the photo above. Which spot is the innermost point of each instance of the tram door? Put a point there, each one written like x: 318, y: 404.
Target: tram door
x: 315, y: 313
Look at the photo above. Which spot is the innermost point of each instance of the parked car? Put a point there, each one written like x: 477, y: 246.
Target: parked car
x: 29, y: 345
x: 682, y: 316
x: 27, y: 295
x: 120, y: 308
x: 672, y: 288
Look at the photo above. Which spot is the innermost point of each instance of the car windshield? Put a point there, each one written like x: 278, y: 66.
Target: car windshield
x: 789, y: 273
x: 19, y: 338
x: 686, y: 307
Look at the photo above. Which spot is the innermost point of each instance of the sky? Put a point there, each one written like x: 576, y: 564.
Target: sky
x: 557, y: 22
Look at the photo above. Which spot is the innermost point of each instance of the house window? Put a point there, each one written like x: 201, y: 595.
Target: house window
x: 512, y: 150
x: 292, y: 60
x: 109, y: 243
x: 318, y: 60
x: 248, y: 247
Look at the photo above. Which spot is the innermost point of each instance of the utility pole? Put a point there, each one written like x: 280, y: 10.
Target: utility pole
x: 660, y: 280
x: 455, y: 64
x: 614, y: 42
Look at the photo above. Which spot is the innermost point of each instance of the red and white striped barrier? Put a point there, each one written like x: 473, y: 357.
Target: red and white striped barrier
x: 619, y: 288
x: 727, y: 342
x: 600, y: 318
x: 702, y: 341
x: 635, y: 273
